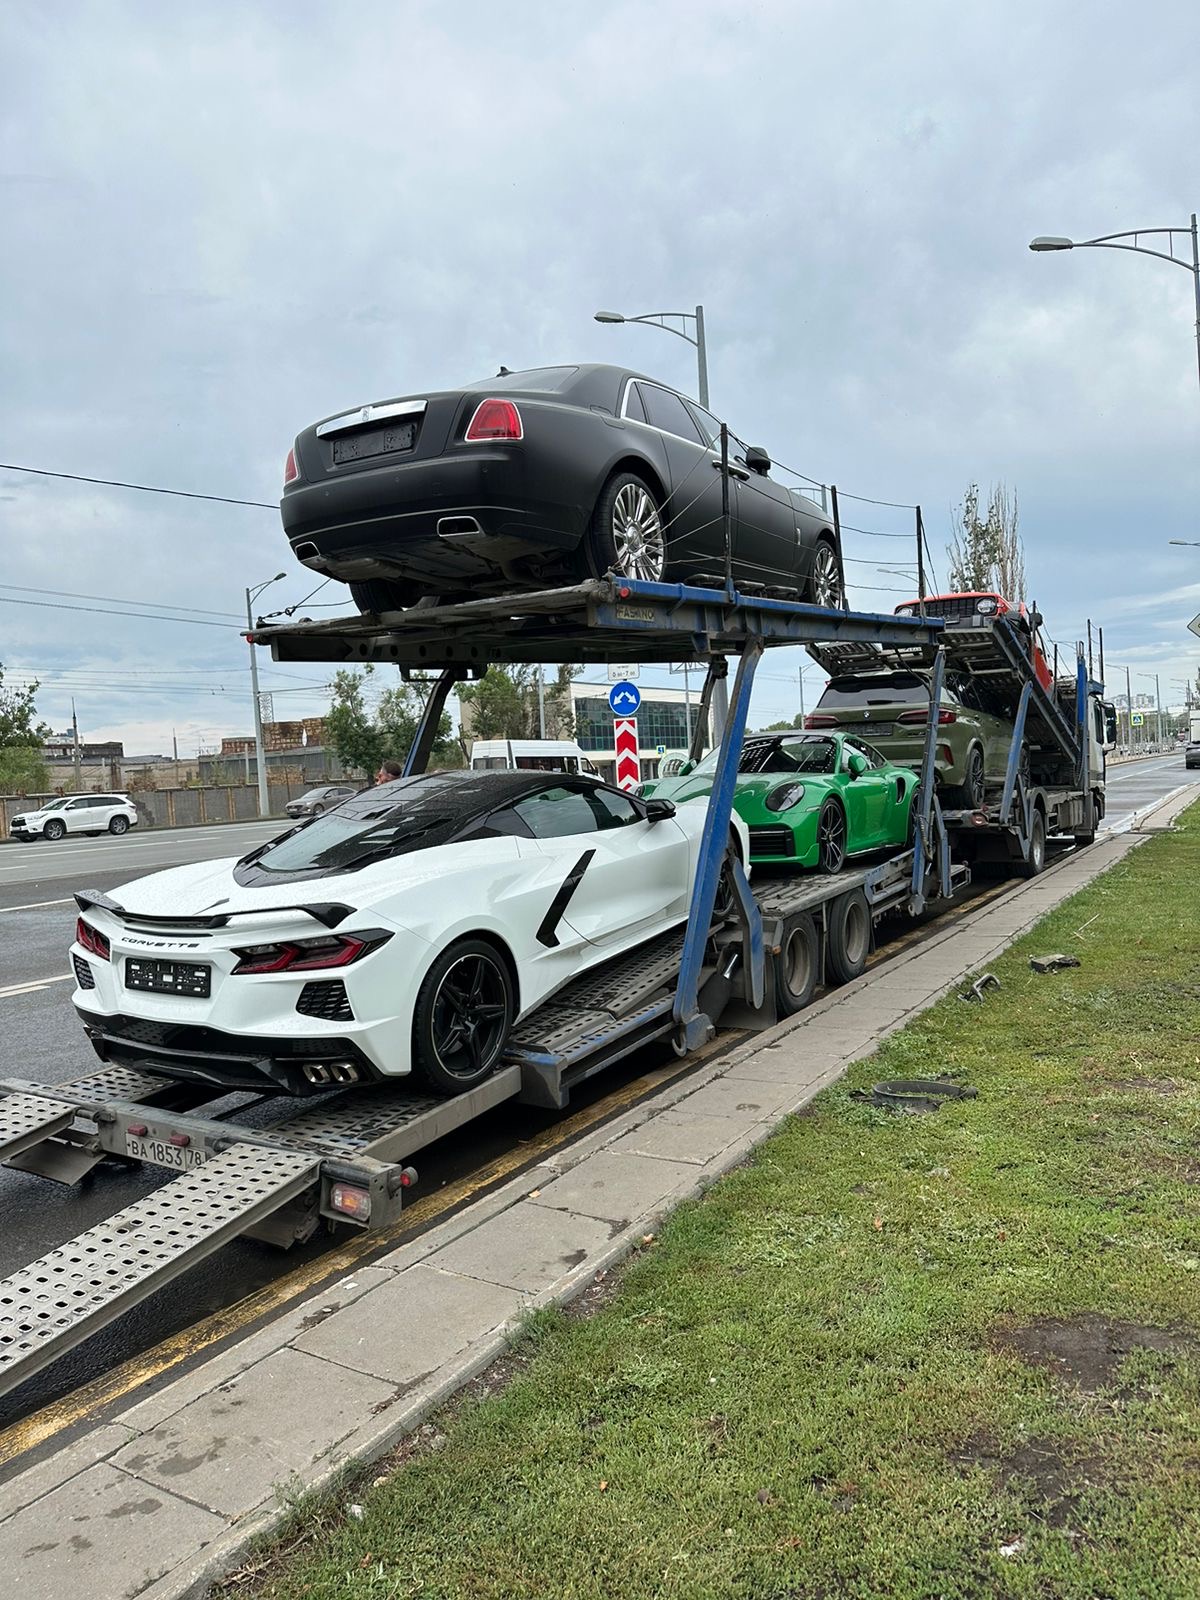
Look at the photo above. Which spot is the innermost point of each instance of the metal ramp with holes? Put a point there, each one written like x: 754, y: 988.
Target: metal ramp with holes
x: 58, y: 1301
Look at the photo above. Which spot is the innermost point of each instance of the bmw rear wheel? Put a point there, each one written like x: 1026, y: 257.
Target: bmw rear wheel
x: 826, y: 582
x: 463, y: 1016
x: 627, y: 535
x: 831, y: 837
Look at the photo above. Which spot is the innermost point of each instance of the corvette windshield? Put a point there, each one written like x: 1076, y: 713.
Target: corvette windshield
x: 788, y: 753
x: 389, y: 820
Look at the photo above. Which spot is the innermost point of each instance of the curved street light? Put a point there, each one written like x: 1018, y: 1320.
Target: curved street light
x: 1113, y: 241
x: 664, y: 320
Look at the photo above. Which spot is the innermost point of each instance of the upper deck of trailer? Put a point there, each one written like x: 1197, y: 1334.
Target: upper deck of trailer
x: 603, y: 619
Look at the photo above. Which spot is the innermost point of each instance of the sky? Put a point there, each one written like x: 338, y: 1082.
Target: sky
x: 223, y: 222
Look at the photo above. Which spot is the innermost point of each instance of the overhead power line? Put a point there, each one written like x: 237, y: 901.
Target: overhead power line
x: 117, y: 600
x: 107, y: 611
x: 142, y: 488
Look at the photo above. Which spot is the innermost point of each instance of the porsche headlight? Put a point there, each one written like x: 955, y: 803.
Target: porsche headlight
x: 785, y: 797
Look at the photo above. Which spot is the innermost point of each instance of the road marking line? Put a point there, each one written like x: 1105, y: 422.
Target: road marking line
x: 35, y: 984
x: 36, y: 905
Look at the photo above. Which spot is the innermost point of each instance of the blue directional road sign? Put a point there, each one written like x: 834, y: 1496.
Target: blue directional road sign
x: 624, y: 698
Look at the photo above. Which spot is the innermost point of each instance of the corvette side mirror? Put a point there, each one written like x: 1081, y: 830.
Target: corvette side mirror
x: 857, y: 765
x: 659, y: 810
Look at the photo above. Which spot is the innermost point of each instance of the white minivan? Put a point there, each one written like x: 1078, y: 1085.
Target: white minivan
x: 535, y: 755
x: 76, y: 813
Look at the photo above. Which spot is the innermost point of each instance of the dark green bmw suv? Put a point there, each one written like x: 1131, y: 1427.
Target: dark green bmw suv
x: 891, y: 710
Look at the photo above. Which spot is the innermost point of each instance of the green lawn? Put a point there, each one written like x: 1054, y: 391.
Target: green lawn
x: 944, y: 1356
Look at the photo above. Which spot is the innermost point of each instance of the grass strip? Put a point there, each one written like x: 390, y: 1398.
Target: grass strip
x: 895, y: 1356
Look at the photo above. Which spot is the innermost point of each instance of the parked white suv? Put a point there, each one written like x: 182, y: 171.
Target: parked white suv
x: 77, y: 813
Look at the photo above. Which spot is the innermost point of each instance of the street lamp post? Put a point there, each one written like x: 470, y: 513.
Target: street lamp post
x: 1113, y: 241
x: 665, y: 319
x: 264, y: 803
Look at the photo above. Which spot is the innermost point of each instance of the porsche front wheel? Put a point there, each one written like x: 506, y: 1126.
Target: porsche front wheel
x: 463, y: 1016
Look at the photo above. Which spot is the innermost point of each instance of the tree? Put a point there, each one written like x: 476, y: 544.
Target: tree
x: 504, y: 704
x: 21, y: 739
x: 782, y: 727
x: 986, y: 552
x: 363, y: 735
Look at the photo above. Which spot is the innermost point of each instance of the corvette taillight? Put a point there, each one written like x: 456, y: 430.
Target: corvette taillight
x: 92, y: 940
x: 494, y: 419
x: 290, y: 470
x: 307, y: 955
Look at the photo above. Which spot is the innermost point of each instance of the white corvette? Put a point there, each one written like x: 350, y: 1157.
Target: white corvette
x: 405, y: 931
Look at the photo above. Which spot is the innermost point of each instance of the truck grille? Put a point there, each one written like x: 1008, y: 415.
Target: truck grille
x: 770, y: 842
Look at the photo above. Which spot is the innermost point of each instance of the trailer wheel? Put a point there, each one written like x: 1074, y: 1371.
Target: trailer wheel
x: 848, y: 936
x: 797, y: 964
x: 462, y: 1017
x: 1035, y: 855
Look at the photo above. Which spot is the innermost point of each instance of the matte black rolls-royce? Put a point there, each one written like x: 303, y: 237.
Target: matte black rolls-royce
x: 531, y: 479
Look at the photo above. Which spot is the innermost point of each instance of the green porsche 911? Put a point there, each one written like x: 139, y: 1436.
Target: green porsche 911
x: 810, y: 799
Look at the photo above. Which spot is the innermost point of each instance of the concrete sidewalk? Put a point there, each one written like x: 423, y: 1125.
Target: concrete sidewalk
x: 160, y: 1498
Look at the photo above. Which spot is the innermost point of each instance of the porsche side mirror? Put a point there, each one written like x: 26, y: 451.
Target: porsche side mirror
x: 757, y: 459
x: 659, y: 810
x: 857, y: 765
x: 684, y: 768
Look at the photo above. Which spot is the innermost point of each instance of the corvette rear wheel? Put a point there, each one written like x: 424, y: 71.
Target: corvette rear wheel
x: 627, y: 534
x: 463, y: 1016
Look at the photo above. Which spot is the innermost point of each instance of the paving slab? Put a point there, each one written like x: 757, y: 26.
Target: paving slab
x: 102, y: 1536
x: 678, y: 1136
x: 615, y: 1188
x: 527, y: 1247
x: 256, y: 1435
x: 409, y: 1326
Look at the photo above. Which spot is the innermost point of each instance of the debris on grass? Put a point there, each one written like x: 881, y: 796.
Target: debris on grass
x: 975, y: 993
x: 1054, y: 963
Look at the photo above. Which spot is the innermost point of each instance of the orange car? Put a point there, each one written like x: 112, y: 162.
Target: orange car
x: 972, y: 608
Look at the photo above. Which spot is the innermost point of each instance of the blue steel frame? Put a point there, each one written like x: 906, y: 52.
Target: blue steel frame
x: 693, y: 1027
x: 923, y: 840
x: 1013, y: 765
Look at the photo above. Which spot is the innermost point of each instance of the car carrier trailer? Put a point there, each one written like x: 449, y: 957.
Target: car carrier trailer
x: 346, y: 1157
x: 1054, y: 782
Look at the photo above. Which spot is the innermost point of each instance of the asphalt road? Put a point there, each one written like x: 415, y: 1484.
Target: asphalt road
x: 41, y: 1040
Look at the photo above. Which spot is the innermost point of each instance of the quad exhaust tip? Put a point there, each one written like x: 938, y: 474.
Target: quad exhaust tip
x: 320, y: 1072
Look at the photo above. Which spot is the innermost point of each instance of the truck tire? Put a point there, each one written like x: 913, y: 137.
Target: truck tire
x: 1035, y: 854
x: 463, y: 1016
x: 847, y: 937
x: 797, y: 964
x: 1087, y: 833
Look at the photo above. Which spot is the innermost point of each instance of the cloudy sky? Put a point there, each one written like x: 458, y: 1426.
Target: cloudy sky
x: 221, y: 222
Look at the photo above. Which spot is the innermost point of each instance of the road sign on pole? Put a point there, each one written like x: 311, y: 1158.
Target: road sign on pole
x: 628, y: 772
x: 1194, y: 626
x: 1136, y: 720
x: 623, y: 669
x: 624, y: 698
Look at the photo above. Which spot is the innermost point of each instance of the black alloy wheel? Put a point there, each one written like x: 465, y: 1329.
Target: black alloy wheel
x: 725, y: 904
x: 627, y: 535
x: 118, y: 825
x: 831, y: 837
x: 826, y: 584
x: 55, y: 828
x: 384, y: 594
x: 462, y: 1017
x: 972, y: 790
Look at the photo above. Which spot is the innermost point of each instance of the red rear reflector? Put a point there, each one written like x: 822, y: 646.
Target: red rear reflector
x: 180, y: 1140
x: 139, y: 1130
x: 290, y: 470
x: 494, y: 419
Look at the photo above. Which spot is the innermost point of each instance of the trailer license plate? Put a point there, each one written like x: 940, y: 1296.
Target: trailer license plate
x: 191, y: 978
x: 161, y: 1154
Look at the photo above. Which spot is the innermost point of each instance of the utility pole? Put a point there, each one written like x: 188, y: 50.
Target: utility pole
x: 78, y: 751
x: 541, y: 702
x: 800, y: 675
x: 1158, y: 708
x: 264, y: 803
x: 1128, y: 708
